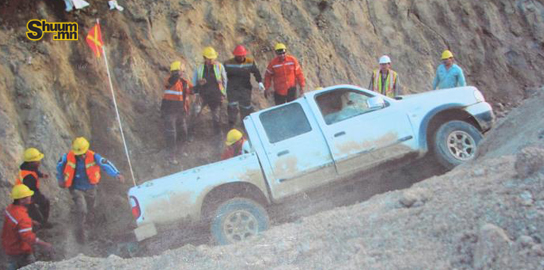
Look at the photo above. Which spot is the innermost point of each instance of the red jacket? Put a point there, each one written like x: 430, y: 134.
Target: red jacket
x: 17, y: 235
x: 286, y: 74
x: 235, y: 149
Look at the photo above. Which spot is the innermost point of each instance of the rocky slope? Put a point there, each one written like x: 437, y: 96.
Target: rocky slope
x: 53, y: 91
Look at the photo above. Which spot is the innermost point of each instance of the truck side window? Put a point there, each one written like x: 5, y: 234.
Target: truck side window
x: 341, y: 104
x: 285, y: 122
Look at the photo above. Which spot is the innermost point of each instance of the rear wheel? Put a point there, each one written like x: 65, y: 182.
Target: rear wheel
x: 238, y: 219
x: 456, y: 142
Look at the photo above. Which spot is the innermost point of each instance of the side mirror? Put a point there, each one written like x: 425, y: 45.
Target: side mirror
x: 375, y: 103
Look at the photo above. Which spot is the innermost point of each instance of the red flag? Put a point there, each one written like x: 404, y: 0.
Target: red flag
x: 94, y: 39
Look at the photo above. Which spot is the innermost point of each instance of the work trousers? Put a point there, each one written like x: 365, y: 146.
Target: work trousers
x: 215, y: 109
x: 85, y: 201
x: 38, y: 210
x: 291, y: 95
x: 239, y: 102
x: 19, y: 261
x: 175, y: 128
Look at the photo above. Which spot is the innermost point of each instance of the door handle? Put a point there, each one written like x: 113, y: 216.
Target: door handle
x: 341, y: 133
x: 284, y: 152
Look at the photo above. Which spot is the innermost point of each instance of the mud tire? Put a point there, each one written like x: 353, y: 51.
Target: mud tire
x: 237, y: 219
x: 456, y: 142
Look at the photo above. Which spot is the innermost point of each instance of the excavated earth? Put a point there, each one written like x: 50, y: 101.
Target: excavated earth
x: 479, y: 216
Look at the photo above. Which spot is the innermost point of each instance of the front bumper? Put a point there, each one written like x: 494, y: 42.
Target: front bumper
x: 483, y: 114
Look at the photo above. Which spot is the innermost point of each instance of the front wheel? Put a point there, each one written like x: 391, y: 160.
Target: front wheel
x: 238, y: 219
x: 456, y: 142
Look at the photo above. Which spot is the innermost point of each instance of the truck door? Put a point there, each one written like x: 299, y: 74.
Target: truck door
x: 295, y: 148
x: 360, y: 137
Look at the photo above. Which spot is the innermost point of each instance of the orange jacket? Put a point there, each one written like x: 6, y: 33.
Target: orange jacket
x: 177, y: 92
x: 285, y: 74
x: 17, y: 235
x: 93, y: 169
x: 235, y: 149
x: 23, y: 174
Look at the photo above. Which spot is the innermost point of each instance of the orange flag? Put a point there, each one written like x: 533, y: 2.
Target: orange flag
x: 94, y: 39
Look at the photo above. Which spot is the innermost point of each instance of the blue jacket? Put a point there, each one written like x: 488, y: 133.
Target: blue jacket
x: 81, y: 181
x: 451, y: 78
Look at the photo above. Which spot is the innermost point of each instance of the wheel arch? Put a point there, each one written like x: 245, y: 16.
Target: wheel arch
x: 227, y: 191
x: 432, y: 121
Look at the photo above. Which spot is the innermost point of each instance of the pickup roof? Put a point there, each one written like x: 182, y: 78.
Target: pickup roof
x: 325, y: 136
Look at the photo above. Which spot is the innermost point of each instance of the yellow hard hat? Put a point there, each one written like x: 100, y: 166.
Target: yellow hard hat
x: 176, y: 65
x: 446, y: 54
x: 32, y: 154
x: 233, y: 136
x: 80, y: 146
x: 209, y: 53
x: 280, y: 46
x: 20, y: 192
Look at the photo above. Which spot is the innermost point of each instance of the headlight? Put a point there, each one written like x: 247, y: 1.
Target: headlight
x: 478, y: 96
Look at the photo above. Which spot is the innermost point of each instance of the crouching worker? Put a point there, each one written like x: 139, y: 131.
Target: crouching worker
x: 236, y: 144
x: 17, y: 236
x: 79, y: 171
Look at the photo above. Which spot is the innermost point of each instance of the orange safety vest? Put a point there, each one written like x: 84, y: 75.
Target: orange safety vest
x: 390, y: 82
x: 217, y: 70
x: 25, y: 173
x: 177, y: 92
x: 93, y: 170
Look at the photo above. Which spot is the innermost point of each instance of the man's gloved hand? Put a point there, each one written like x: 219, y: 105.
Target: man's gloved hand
x: 261, y: 87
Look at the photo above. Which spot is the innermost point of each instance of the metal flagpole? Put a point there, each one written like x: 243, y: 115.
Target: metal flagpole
x: 117, y: 112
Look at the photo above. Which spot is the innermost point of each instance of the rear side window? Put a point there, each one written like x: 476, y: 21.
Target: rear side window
x: 285, y: 122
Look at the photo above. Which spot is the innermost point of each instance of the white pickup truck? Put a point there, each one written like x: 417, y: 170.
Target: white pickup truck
x: 325, y: 136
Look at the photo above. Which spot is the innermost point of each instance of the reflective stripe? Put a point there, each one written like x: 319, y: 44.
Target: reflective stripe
x: 11, y: 217
x: 73, y: 165
x: 280, y: 65
x: 25, y: 230
x: 90, y: 165
x: 241, y: 66
x: 289, y: 63
x: 172, y: 92
x: 271, y: 72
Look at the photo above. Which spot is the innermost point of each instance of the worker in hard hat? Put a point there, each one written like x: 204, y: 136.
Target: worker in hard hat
x: 175, y: 108
x: 79, y: 171
x: 30, y: 175
x: 285, y: 72
x: 385, y: 80
x: 210, y: 84
x: 236, y: 145
x: 448, y: 74
x: 18, y: 239
x: 239, y: 70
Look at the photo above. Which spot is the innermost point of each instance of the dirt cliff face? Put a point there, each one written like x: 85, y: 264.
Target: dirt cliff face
x: 53, y: 91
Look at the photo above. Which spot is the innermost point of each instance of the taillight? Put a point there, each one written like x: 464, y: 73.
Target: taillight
x: 135, y: 207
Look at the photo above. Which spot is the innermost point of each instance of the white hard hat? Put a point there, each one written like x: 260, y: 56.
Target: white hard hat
x: 385, y: 59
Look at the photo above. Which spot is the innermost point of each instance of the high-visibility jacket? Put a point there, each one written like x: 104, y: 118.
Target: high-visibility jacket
x: 219, y: 72
x: 177, y: 91
x: 25, y: 173
x: 285, y: 74
x: 91, y: 167
x: 236, y: 149
x: 17, y: 235
x: 390, y: 83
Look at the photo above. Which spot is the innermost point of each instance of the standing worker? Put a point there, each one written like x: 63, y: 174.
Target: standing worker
x: 210, y: 83
x: 175, y: 108
x: 17, y: 236
x: 286, y: 73
x: 448, y: 74
x: 385, y: 80
x: 79, y: 171
x: 239, y: 70
x: 236, y: 144
x: 30, y: 176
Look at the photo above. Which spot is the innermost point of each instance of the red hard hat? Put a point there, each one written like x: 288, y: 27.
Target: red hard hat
x: 239, y: 51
